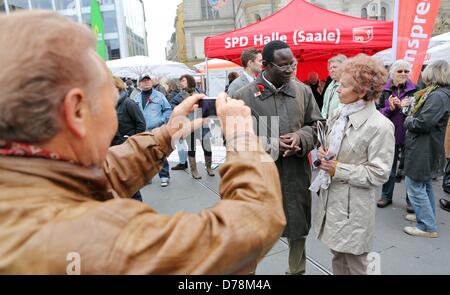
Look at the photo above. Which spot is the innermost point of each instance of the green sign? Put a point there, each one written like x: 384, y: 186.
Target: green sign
x: 97, y: 27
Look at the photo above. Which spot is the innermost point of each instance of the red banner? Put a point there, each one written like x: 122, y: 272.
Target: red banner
x: 415, y: 26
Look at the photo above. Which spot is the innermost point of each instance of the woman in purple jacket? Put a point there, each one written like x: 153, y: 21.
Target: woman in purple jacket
x: 396, y: 95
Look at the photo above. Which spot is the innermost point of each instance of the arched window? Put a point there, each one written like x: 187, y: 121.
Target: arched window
x: 364, y: 13
x: 383, y: 13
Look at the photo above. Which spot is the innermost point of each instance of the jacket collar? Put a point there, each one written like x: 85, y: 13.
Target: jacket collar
x: 122, y: 96
x: 87, y: 181
x: 359, y: 118
x: 269, y: 89
x: 249, y: 78
x: 409, y: 86
x: 154, y: 96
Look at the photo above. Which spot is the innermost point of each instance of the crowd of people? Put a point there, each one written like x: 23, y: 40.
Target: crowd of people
x: 77, y: 145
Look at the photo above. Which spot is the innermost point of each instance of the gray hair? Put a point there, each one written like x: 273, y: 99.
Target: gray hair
x: 340, y: 58
x: 35, y: 80
x: 437, y: 73
x: 399, y: 64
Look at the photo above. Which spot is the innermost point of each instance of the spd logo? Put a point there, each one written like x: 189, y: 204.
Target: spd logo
x: 362, y: 34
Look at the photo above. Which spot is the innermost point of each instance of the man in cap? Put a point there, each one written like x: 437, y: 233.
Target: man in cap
x: 156, y: 110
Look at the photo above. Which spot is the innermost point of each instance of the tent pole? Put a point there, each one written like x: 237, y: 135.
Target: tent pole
x: 395, y: 31
x: 207, y: 77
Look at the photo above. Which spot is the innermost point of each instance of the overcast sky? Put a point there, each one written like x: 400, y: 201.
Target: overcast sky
x: 160, y: 15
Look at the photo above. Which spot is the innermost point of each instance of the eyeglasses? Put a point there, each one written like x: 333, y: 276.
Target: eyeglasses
x: 403, y: 71
x: 290, y: 66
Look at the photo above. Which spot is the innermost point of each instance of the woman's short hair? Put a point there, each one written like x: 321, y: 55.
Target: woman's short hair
x: 340, y: 58
x: 368, y: 75
x: 190, y: 81
x: 437, y: 73
x: 120, y: 85
x: 399, y: 64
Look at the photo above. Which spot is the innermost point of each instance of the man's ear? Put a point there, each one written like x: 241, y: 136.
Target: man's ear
x: 265, y: 63
x: 75, y: 109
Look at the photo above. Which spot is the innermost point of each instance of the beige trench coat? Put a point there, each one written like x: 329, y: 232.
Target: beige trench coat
x: 345, y: 216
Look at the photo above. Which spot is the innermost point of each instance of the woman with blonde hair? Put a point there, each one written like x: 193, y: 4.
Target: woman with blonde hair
x: 357, y: 159
x: 130, y: 118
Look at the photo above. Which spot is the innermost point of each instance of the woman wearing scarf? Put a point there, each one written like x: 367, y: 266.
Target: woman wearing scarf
x: 395, y: 96
x: 424, y: 147
x: 361, y: 147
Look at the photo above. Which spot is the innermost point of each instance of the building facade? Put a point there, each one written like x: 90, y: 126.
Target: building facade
x: 196, y: 19
x: 124, y: 21
x: 200, y: 20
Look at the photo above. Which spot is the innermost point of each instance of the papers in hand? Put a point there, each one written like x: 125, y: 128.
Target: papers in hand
x: 322, y: 134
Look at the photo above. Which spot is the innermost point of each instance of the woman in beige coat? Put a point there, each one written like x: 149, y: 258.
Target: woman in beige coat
x: 360, y: 143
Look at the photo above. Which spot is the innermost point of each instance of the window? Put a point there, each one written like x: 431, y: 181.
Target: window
x: 113, y: 46
x: 257, y: 17
x: 109, y: 22
x: 87, y: 3
x: 65, y: 4
x: 2, y: 6
x: 17, y: 4
x: 42, y: 4
x: 364, y: 13
x: 86, y: 19
x: 107, y: 2
x: 383, y: 13
x: 208, y: 12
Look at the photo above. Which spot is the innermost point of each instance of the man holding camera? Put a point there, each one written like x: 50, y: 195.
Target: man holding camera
x: 65, y: 194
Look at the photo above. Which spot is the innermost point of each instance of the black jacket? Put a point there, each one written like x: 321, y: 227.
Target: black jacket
x: 425, y: 132
x: 131, y: 119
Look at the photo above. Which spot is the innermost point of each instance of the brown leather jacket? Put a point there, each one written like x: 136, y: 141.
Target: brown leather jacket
x: 49, y: 209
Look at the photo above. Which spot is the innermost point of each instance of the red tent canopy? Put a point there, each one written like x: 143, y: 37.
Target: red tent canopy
x: 314, y: 35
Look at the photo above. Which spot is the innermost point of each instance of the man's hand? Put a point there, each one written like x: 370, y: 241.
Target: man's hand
x: 291, y: 139
x: 179, y: 125
x: 290, y: 144
x: 234, y: 115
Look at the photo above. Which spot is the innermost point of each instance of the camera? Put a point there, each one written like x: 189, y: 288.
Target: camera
x: 209, y: 103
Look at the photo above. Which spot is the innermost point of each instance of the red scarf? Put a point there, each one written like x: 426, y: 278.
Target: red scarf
x: 18, y: 149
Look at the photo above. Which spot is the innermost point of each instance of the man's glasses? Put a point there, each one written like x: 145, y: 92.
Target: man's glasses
x: 403, y: 71
x: 290, y: 66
